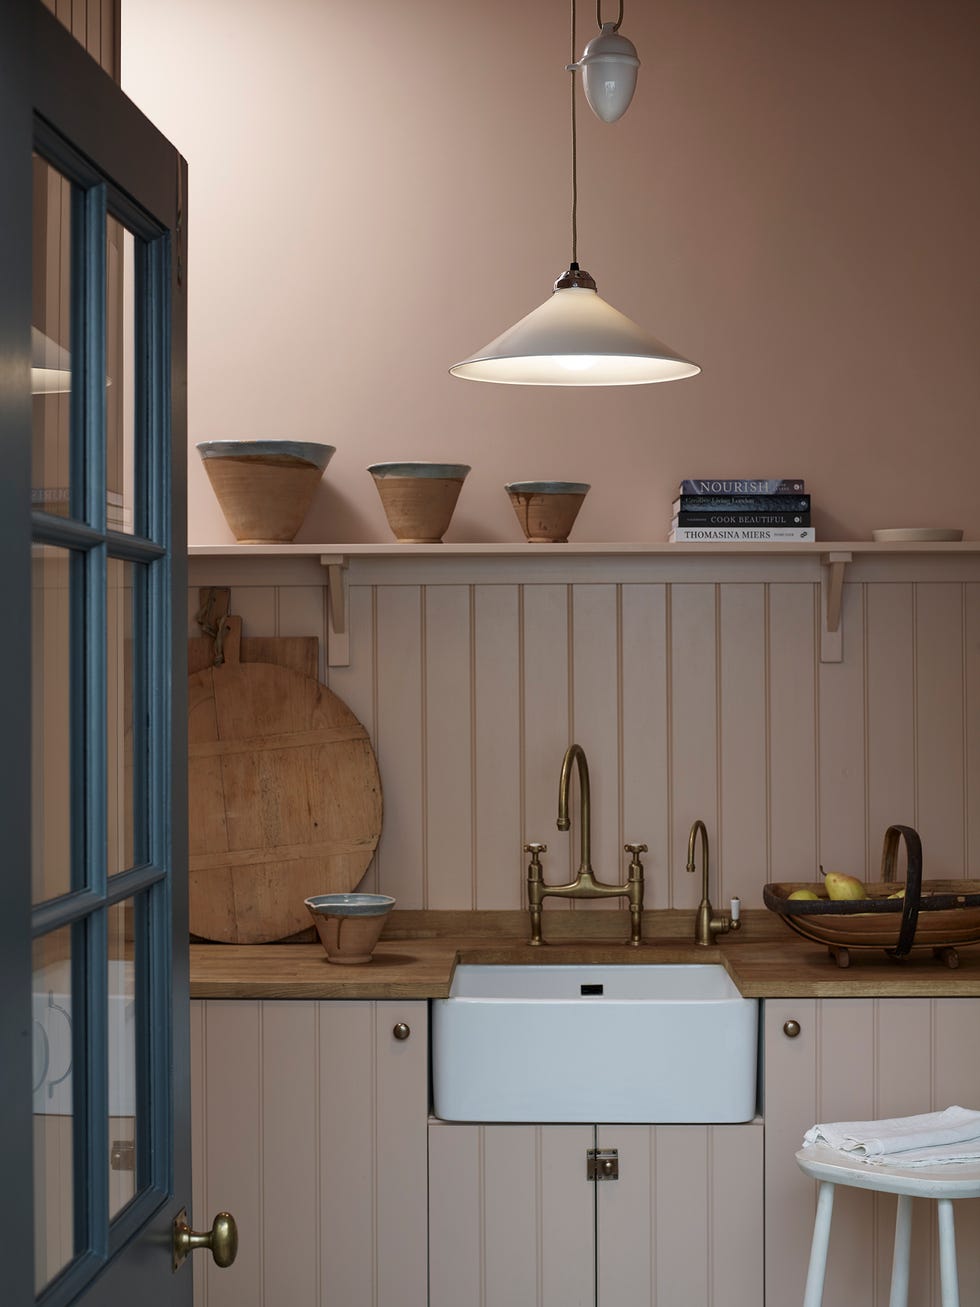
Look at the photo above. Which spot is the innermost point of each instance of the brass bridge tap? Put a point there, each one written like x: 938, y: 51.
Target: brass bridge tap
x: 585, y: 885
x: 706, y: 924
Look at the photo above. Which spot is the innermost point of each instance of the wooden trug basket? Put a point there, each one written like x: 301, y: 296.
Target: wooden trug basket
x: 936, y: 914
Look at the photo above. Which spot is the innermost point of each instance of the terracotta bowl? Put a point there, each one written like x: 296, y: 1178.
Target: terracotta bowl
x: 349, y: 925
x: 547, y: 510
x: 419, y: 498
x: 264, y: 487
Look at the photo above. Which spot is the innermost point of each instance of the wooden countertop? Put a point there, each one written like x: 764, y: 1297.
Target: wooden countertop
x: 417, y: 956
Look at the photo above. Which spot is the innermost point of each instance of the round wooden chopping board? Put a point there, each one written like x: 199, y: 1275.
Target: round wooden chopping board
x: 284, y: 798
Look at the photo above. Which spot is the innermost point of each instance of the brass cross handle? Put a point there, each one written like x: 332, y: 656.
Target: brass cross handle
x: 222, y: 1239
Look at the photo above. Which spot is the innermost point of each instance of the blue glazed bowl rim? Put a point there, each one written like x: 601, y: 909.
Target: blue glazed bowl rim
x: 309, y: 450
x: 446, y: 471
x: 547, y: 487
x: 350, y: 905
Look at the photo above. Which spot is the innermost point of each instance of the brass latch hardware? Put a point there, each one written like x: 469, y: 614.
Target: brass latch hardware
x: 122, y: 1155
x: 221, y: 1239
x: 602, y: 1164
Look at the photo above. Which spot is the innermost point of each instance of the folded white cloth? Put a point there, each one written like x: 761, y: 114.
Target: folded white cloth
x: 929, y: 1139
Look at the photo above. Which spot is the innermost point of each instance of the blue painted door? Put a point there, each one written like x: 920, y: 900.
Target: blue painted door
x: 94, y: 1129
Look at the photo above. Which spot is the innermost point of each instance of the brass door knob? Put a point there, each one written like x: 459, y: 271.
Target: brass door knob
x: 791, y: 1029
x: 222, y: 1239
x: 402, y: 1030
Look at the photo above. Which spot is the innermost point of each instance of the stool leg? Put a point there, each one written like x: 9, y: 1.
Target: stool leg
x: 899, y: 1296
x: 813, y: 1295
x: 948, y: 1279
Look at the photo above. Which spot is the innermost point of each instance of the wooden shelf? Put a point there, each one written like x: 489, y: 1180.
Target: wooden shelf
x: 834, y: 557
x: 575, y: 548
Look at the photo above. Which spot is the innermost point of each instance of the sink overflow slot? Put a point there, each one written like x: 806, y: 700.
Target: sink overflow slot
x: 590, y: 989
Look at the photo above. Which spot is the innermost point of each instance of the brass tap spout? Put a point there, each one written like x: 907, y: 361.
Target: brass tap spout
x: 576, y: 754
x: 585, y: 885
x: 706, y: 924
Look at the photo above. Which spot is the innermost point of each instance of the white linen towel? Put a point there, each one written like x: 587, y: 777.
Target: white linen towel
x: 930, y: 1139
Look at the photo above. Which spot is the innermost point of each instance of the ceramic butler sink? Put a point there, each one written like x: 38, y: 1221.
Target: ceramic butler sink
x: 641, y: 1043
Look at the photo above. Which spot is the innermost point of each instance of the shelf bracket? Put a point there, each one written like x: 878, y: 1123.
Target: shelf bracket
x: 831, y: 594
x: 338, y: 617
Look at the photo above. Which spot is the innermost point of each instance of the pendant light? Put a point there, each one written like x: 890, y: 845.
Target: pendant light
x: 50, y: 365
x: 575, y: 338
x: 608, y: 65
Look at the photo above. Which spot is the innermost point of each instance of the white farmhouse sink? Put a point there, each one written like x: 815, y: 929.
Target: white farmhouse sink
x: 641, y: 1043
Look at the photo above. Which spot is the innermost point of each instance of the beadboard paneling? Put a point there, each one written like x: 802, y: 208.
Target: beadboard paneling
x: 939, y: 723
x: 741, y: 846
x: 399, y: 742
x: 448, y: 745
x: 511, y: 1216
x: 497, y: 747
x: 546, y: 707
x: 646, y: 762
x: 700, y: 697
x: 792, y: 696
x: 890, y: 711
x: 683, y: 1223
x: 596, y: 717
x: 842, y: 764
x: 95, y: 24
x: 309, y: 1126
x: 693, y: 707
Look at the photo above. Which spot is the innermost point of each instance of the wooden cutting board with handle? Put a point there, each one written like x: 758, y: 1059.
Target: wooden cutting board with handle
x: 284, y: 797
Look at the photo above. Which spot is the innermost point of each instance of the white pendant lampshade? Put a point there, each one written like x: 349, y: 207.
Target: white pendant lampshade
x: 575, y: 339
x: 50, y: 366
x: 609, y: 66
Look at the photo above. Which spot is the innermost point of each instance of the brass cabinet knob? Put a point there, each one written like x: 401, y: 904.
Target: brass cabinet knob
x: 791, y: 1029
x: 222, y: 1239
x: 402, y: 1030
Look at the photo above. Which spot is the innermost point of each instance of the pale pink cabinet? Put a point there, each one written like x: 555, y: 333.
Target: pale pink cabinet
x: 514, y: 1219
x: 309, y: 1125
x: 862, y: 1059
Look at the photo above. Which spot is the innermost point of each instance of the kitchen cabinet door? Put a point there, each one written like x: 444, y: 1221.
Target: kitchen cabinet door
x: 511, y: 1216
x: 683, y: 1222
x: 862, y: 1059
x: 514, y: 1218
x: 309, y: 1122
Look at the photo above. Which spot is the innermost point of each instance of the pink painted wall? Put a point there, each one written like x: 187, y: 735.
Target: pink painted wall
x: 378, y: 189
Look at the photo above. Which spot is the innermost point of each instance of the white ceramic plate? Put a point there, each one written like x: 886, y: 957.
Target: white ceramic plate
x: 918, y: 533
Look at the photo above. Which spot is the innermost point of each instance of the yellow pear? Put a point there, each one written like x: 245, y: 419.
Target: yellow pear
x: 803, y: 894
x: 899, y: 894
x: 840, y: 886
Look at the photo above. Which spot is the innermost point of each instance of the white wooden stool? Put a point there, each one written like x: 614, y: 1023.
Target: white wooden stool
x: 943, y: 1183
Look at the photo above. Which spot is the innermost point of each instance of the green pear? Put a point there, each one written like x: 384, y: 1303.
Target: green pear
x: 841, y: 886
x: 803, y: 894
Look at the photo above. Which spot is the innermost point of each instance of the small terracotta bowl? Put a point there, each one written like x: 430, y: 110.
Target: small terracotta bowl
x: 349, y: 925
x: 419, y: 498
x: 547, y: 510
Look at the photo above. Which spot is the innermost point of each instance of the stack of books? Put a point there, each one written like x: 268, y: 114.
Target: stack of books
x: 761, y: 510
